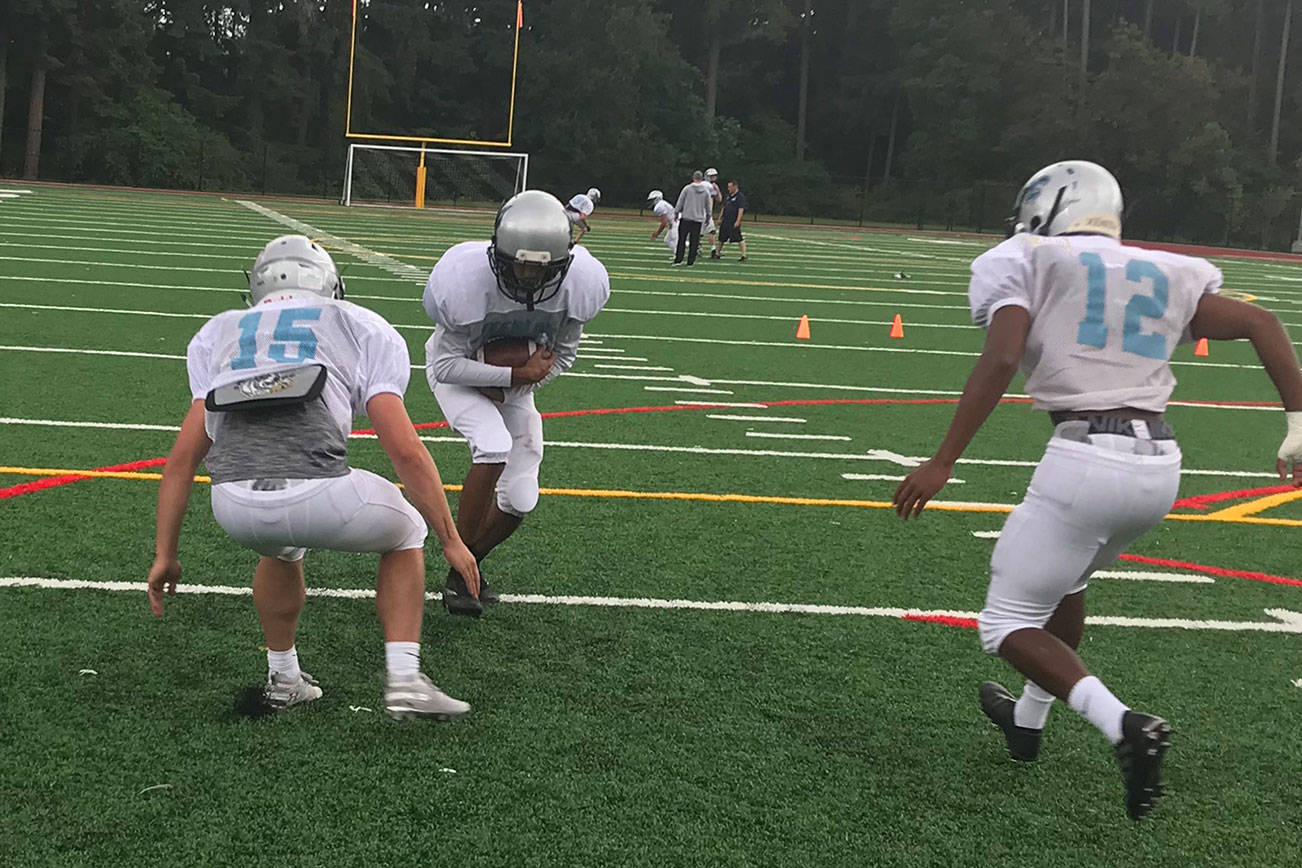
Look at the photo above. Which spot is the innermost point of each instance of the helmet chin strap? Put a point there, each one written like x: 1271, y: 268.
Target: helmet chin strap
x: 1043, y: 228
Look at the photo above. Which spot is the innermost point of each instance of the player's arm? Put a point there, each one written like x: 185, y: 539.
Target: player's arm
x: 740, y: 211
x: 191, y: 445
x: 449, y: 357
x: 664, y: 224
x: 420, y: 478
x: 1005, y: 343
x: 564, y: 349
x: 1225, y: 319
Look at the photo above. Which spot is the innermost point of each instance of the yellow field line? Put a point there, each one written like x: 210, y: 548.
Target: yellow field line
x: 1221, y: 517
x: 1252, y: 507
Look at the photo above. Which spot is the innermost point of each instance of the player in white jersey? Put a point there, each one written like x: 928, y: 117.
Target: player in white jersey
x: 1093, y: 323
x: 275, y: 390
x: 716, y: 196
x: 580, y: 208
x: 528, y: 282
x: 668, y: 219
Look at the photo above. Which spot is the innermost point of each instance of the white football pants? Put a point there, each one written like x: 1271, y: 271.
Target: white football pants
x: 671, y: 238
x: 509, y: 432
x: 360, y: 512
x: 1086, y: 504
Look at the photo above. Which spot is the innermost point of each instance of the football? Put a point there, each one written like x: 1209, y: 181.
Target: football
x: 507, y: 352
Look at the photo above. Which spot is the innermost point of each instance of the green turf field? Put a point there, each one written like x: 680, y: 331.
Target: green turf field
x: 629, y: 727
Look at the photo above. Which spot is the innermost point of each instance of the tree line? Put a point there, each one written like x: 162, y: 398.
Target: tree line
x: 879, y: 110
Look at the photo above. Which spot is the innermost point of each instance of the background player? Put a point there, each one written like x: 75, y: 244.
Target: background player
x: 1093, y: 323
x: 580, y: 208
x: 530, y: 282
x: 668, y: 219
x: 716, y: 196
x: 275, y: 391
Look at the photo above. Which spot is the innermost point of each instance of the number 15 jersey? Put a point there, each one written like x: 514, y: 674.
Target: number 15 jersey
x: 363, y: 356
x: 1105, y: 316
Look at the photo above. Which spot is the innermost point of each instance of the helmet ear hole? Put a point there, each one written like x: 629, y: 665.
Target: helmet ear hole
x: 1035, y: 223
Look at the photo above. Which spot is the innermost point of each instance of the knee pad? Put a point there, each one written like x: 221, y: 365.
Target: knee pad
x: 518, y: 496
x: 490, y: 447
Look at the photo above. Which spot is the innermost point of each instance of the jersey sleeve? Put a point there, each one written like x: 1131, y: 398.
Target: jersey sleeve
x: 1209, y: 281
x: 589, y: 286
x: 385, y: 363
x: 198, y: 364
x: 449, y: 358
x: 1000, y: 277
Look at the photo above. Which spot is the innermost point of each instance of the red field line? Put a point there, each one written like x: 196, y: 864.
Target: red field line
x: 1213, y: 571
x: 1202, y: 501
x: 947, y: 620
x: 55, y: 481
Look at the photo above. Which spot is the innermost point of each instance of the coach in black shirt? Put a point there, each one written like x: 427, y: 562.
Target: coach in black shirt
x: 734, y: 206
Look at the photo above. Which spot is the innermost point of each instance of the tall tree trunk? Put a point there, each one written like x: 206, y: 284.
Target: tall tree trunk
x: 872, y: 152
x: 1273, y: 152
x: 1053, y: 19
x: 890, y: 142
x: 1148, y: 18
x: 712, y: 74
x: 1065, y: 19
x: 35, y: 114
x: 1175, y: 40
x: 1256, y: 68
x: 803, y: 106
x: 1084, y: 53
x: 1193, y: 43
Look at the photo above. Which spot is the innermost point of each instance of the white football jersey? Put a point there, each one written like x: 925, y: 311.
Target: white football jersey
x: 363, y: 355
x: 582, y: 204
x: 468, y: 310
x: 664, y: 210
x: 1105, y: 316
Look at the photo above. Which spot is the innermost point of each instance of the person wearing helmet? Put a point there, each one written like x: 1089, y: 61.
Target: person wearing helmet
x: 528, y: 282
x: 1093, y: 323
x: 716, y: 196
x: 580, y: 208
x: 275, y: 389
x: 668, y: 219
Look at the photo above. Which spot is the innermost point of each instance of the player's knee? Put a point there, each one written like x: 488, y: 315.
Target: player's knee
x: 518, y: 496
x: 993, y: 627
x: 490, y: 447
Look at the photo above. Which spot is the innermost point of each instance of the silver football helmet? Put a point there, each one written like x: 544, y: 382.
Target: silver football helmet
x: 711, y: 173
x: 530, y: 250
x: 594, y: 194
x: 655, y: 196
x: 294, y: 266
x: 1073, y: 197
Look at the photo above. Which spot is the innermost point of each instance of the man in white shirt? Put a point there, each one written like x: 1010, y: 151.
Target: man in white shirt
x: 580, y: 208
x: 668, y: 220
x: 1092, y: 323
x: 275, y: 390
x: 529, y: 282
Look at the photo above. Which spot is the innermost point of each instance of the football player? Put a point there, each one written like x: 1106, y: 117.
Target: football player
x: 580, y: 208
x: 275, y: 390
x: 1092, y: 323
x: 530, y: 281
x: 716, y: 196
x: 668, y: 219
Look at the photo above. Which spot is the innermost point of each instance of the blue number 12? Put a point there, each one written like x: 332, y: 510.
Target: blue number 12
x: 1093, y: 332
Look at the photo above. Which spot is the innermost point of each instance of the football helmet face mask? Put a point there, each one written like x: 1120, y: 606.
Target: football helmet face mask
x: 594, y: 194
x: 294, y: 266
x: 1073, y: 197
x: 530, y: 250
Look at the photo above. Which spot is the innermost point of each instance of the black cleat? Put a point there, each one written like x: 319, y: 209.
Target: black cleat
x: 998, y: 704
x: 457, y: 599
x: 487, y: 595
x: 1144, y: 740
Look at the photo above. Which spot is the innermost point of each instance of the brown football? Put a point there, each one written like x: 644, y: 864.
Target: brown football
x: 507, y: 352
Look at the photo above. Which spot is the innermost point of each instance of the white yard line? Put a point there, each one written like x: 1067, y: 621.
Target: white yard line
x: 773, y: 436
x: 986, y: 534
x: 685, y: 388
x: 721, y: 404
x: 1146, y: 576
x: 628, y: 367
x: 882, y: 477
x: 796, y: 419
x: 388, y: 263
x: 1284, y: 620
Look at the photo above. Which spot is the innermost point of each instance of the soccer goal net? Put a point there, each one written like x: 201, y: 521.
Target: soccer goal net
x: 407, y: 175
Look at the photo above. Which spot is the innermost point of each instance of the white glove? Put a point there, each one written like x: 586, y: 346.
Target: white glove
x: 1290, y: 451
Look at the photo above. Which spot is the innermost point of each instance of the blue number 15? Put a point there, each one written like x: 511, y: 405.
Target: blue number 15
x: 1093, y: 332
x: 286, y: 333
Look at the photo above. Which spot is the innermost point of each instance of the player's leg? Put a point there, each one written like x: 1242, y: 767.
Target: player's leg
x: 479, y: 419
x: 681, y: 246
x: 694, y: 240
x: 741, y: 242
x: 278, y: 595
x: 517, y: 487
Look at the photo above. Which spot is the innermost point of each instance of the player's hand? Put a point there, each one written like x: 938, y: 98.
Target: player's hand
x: 461, y: 560
x: 163, y: 576
x: 1289, y: 461
x: 921, y: 486
x: 536, y: 368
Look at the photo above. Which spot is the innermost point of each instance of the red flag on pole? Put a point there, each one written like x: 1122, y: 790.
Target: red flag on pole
x: 519, y: 14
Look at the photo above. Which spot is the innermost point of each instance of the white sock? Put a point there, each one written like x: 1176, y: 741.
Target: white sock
x: 1094, y: 702
x: 402, y: 659
x: 284, y: 664
x: 1032, y: 708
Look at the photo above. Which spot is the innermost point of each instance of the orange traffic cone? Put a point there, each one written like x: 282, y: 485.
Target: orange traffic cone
x: 1200, y: 349
x: 897, y: 327
x: 802, y: 330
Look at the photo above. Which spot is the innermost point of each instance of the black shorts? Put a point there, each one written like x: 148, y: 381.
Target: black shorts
x: 729, y: 232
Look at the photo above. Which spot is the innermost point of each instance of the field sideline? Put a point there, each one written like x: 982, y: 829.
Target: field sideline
x: 717, y: 646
